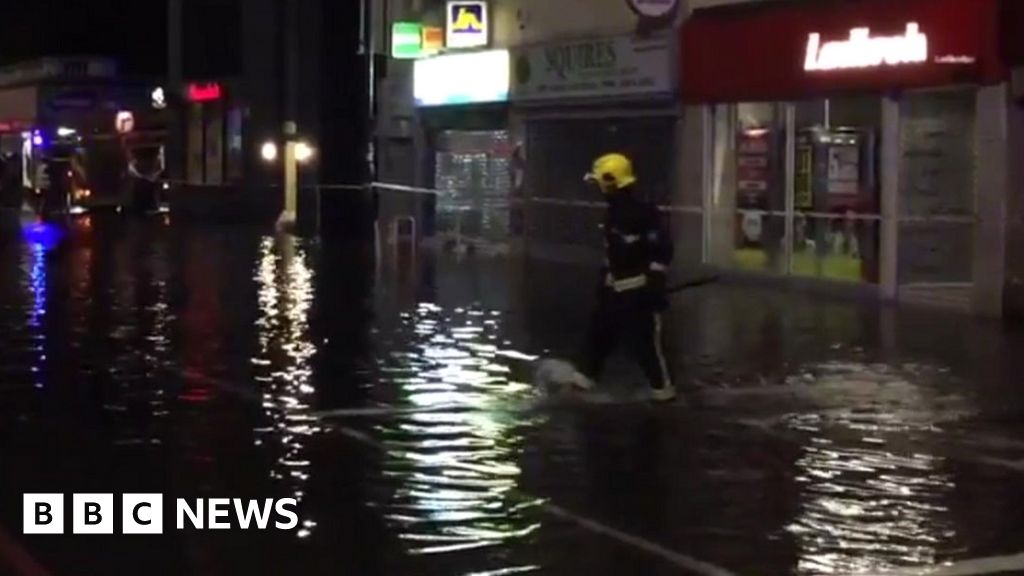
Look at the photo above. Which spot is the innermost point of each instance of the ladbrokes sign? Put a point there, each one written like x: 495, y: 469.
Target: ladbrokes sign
x: 863, y: 50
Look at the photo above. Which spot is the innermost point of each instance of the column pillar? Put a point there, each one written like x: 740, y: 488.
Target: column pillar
x: 991, y: 191
x: 890, y: 199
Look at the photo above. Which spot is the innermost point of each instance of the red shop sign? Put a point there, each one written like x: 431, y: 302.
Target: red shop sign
x: 204, y: 92
x: 791, y: 51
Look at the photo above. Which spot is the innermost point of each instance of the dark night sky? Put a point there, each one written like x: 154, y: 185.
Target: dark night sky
x: 132, y: 31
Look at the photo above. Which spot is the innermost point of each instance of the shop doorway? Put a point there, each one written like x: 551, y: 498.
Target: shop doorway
x: 473, y: 171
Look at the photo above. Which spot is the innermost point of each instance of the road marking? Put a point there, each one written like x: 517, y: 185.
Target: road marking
x: 653, y: 548
x: 974, y: 567
x: 687, y: 563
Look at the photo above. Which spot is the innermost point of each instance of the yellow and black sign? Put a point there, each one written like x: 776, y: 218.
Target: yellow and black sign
x: 467, y: 24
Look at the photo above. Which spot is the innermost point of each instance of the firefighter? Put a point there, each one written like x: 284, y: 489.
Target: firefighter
x: 633, y: 292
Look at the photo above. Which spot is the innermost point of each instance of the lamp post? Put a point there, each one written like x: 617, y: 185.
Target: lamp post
x: 289, y: 216
x: 296, y: 152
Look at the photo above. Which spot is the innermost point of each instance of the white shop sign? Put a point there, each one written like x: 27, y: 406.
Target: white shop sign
x: 617, y: 67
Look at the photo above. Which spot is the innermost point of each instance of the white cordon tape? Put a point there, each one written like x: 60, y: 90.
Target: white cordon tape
x: 516, y: 201
x: 673, y: 208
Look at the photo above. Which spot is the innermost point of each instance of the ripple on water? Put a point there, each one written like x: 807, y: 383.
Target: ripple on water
x: 451, y: 463
x: 872, y: 496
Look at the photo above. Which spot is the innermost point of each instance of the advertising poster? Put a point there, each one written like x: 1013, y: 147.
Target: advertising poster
x: 843, y: 170
x: 753, y: 168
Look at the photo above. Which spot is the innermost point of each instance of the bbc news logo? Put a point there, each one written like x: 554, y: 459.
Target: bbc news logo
x: 144, y: 514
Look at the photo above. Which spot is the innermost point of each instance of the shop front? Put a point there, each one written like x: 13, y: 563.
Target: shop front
x: 858, y: 142
x: 576, y: 100
x: 461, y: 101
x: 214, y: 121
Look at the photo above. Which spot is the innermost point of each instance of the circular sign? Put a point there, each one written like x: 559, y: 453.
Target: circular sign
x: 653, y: 8
x: 124, y: 122
x: 752, y: 228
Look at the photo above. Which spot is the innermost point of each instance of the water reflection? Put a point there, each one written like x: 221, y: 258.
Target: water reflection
x: 283, y: 364
x: 455, y: 455
x: 37, y: 276
x: 873, y: 497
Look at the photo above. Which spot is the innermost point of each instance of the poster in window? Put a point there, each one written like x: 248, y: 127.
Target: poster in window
x: 843, y: 170
x: 234, y: 137
x: 804, y: 177
x: 753, y: 168
x: 214, y: 145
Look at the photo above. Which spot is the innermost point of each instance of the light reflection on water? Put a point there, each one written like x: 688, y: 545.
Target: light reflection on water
x: 37, y: 287
x: 283, y: 364
x: 872, y: 496
x: 872, y: 488
x: 455, y: 464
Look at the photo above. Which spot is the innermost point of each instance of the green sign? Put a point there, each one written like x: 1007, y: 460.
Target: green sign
x: 406, y: 40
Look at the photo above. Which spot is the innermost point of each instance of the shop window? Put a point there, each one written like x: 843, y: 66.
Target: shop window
x: 836, y: 189
x: 235, y: 161
x: 748, y: 190
x: 795, y: 188
x: 473, y: 169
x: 195, y: 152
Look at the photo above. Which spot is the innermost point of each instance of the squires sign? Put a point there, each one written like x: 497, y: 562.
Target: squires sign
x: 862, y: 50
x: 575, y: 58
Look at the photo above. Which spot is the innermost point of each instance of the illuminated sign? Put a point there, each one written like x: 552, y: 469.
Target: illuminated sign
x: 204, y: 92
x: 467, y: 24
x: 433, y: 39
x: 406, y: 40
x: 412, y: 40
x: 124, y: 122
x: 862, y: 50
x: 158, y: 98
x: 469, y: 78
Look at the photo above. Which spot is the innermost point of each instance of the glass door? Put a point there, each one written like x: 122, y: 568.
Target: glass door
x: 794, y: 189
x: 836, y: 190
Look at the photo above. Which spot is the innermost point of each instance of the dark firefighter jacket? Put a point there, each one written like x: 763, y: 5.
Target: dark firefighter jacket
x: 639, y: 248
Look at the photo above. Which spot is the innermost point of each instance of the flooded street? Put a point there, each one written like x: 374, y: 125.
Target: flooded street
x: 395, y: 403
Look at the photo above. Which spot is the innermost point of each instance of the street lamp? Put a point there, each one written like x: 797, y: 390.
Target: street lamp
x: 303, y: 152
x: 269, y: 151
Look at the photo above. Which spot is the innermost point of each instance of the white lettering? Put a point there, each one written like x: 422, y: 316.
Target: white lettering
x: 952, y: 59
x: 861, y: 50
x: 284, y: 512
x: 253, y: 509
x: 196, y: 517
x: 219, y: 509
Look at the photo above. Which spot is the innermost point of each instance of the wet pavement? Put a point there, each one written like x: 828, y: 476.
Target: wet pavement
x: 818, y: 436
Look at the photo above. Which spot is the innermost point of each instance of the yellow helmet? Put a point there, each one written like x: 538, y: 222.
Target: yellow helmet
x: 612, y: 172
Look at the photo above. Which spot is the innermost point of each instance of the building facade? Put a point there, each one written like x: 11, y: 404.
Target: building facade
x: 862, y: 146
x: 509, y: 115
x: 241, y: 72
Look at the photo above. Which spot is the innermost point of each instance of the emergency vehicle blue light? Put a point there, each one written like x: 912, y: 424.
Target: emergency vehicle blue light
x: 42, y: 234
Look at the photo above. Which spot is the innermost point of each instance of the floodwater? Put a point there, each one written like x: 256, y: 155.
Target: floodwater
x: 394, y: 402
